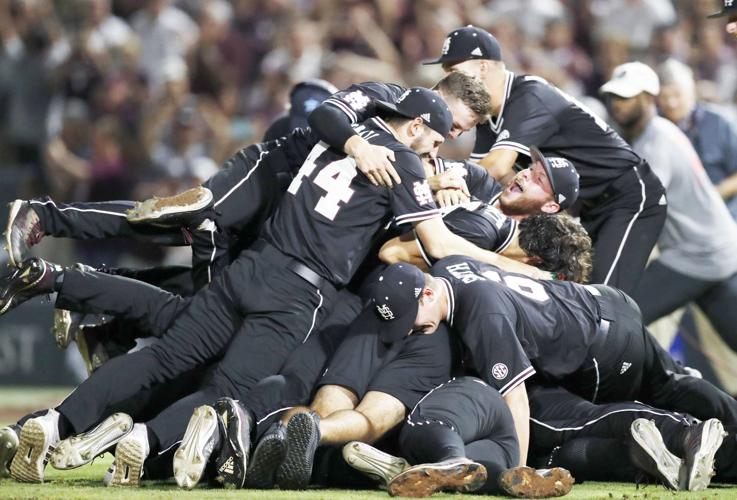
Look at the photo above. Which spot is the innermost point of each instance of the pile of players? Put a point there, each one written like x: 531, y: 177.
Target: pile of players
x: 360, y: 312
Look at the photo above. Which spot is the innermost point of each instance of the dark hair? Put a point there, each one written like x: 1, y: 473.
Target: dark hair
x: 469, y: 90
x: 560, y: 242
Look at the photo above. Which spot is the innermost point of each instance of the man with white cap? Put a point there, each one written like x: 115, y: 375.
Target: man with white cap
x: 697, y: 261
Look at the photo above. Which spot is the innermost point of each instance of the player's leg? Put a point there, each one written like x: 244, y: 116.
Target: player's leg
x: 717, y: 304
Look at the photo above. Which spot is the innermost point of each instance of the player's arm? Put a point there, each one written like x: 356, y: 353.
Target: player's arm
x: 519, y: 405
x: 500, y: 164
x: 440, y: 242
x: 403, y: 248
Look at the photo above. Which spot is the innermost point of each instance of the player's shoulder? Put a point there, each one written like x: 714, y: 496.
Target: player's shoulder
x: 526, y: 88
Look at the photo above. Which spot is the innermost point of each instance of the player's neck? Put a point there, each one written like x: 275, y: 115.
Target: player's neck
x: 495, y: 83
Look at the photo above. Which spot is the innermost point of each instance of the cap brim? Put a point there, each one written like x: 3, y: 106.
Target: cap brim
x: 621, y: 88
x: 391, y: 108
x: 436, y: 61
x: 721, y: 13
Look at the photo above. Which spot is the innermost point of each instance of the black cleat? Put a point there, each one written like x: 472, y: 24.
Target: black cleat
x: 65, y: 326
x: 232, y: 459
x: 22, y: 232
x: 649, y: 453
x: 700, y: 445
x: 270, y: 452
x: 9, y: 440
x: 96, y: 345
x: 303, y: 437
x: 172, y: 210
x: 32, y: 278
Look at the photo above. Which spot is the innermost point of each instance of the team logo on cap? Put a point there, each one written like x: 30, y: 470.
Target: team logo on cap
x: 728, y: 3
x: 385, y: 312
x: 558, y: 162
x: 403, y: 96
x: 446, y: 46
x: 499, y: 371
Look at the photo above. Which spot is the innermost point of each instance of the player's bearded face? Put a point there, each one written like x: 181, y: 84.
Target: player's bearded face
x: 425, y: 141
x: 526, y: 193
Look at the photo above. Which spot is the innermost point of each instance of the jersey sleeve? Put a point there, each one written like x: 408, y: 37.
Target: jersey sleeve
x: 480, y: 184
x: 412, y: 200
x: 527, y: 122
x: 357, y: 101
x: 497, y: 353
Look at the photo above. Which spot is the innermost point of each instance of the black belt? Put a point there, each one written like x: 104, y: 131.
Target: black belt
x: 292, y: 264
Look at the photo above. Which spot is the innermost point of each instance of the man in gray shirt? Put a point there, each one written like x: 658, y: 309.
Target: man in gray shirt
x: 697, y: 259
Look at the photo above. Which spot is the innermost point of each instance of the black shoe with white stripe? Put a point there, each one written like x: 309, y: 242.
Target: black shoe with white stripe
x: 231, y: 461
x: 303, y: 437
x: 267, y: 457
x: 33, y: 277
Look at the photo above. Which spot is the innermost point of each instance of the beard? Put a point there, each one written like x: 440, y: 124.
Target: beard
x: 519, y: 206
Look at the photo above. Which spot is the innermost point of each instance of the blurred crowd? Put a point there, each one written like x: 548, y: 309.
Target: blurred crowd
x: 123, y: 99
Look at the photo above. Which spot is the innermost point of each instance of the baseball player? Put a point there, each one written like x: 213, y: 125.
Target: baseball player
x: 622, y: 202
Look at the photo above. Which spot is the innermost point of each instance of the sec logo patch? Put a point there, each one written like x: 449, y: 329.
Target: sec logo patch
x: 499, y: 371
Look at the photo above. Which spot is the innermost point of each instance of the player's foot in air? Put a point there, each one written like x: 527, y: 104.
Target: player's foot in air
x: 270, y: 452
x: 700, y: 445
x: 22, y: 232
x: 649, y: 453
x: 130, y: 453
x: 97, y: 346
x: 232, y: 459
x: 38, y: 438
x: 457, y: 474
x: 526, y: 482
x: 303, y: 437
x: 172, y: 210
x: 9, y: 439
x: 202, y: 437
x: 34, y: 277
x: 374, y: 463
x: 65, y: 326
x: 80, y: 450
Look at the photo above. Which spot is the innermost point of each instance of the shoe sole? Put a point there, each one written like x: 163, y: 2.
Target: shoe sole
x: 701, y: 467
x: 8, y: 447
x: 161, y: 210
x: 128, y: 464
x: 294, y: 473
x: 372, y: 462
x: 525, y: 482
x: 234, y: 476
x: 189, y: 459
x: 650, y: 441
x: 62, y: 327
x: 92, y: 361
x: 32, y: 456
x: 11, y: 300
x: 424, y: 480
x: 15, y: 207
x: 268, y: 455
x: 80, y: 450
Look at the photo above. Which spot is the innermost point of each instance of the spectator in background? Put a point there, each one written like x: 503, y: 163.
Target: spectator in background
x: 713, y: 137
x: 632, y: 20
x: 105, y: 31
x: 730, y: 12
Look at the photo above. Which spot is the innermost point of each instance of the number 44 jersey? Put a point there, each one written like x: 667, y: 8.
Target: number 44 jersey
x: 332, y: 214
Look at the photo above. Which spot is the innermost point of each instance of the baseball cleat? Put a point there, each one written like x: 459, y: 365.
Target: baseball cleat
x: 457, y: 474
x: 107, y: 479
x: 171, y: 210
x: 526, y: 482
x: 22, y: 232
x: 701, y: 444
x: 303, y: 437
x: 38, y: 437
x: 96, y: 347
x: 9, y: 439
x: 232, y: 460
x: 32, y: 278
x: 79, y: 450
x: 374, y: 463
x: 201, y: 438
x: 65, y: 326
x: 649, y: 453
x: 268, y: 455
x: 130, y: 453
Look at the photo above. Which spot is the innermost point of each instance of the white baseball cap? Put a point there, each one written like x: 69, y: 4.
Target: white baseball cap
x: 630, y: 79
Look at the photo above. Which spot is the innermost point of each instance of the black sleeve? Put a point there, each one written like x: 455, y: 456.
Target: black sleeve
x: 412, y: 200
x: 480, y: 184
x: 278, y: 128
x: 331, y: 125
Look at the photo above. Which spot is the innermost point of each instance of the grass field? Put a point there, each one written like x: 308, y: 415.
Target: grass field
x: 86, y: 482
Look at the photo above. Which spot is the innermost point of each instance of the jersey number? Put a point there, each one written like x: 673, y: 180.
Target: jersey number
x: 524, y: 286
x: 335, y: 178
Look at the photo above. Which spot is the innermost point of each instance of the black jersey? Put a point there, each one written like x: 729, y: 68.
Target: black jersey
x: 536, y: 113
x: 480, y: 223
x: 330, y: 215
x: 481, y: 184
x: 357, y: 101
x: 507, y: 320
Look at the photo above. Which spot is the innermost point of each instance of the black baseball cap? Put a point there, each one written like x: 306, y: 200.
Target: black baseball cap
x: 304, y: 97
x: 419, y: 102
x: 562, y: 175
x: 468, y: 43
x: 394, y: 300
x: 729, y: 9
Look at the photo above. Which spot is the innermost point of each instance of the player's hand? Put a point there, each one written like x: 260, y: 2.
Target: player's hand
x: 450, y: 197
x: 450, y: 179
x: 375, y: 162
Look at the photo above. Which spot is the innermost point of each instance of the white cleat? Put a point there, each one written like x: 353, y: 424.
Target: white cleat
x: 200, y: 438
x: 80, y: 450
x: 374, y: 463
x: 172, y: 209
x: 701, y: 444
x: 649, y: 453
x: 8, y: 447
x: 130, y: 454
x: 38, y: 437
